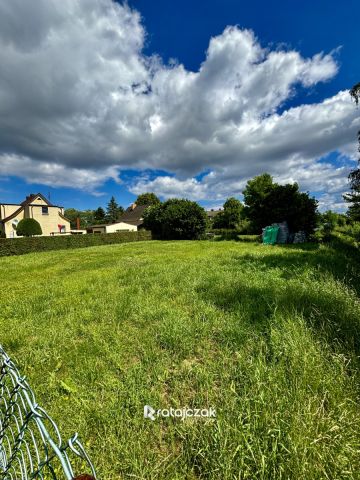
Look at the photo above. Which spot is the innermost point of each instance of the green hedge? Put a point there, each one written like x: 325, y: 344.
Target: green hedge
x: 229, y: 234
x: 20, y: 246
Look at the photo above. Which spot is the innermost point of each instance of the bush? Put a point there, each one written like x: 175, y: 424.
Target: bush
x: 20, y: 246
x: 351, y: 231
x: 28, y: 227
x: 176, y: 219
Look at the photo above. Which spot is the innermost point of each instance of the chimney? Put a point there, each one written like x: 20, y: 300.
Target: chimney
x: 77, y: 223
x: 133, y: 206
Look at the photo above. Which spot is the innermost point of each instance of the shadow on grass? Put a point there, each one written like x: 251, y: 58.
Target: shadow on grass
x: 331, y: 314
x: 237, y: 238
x: 339, y: 259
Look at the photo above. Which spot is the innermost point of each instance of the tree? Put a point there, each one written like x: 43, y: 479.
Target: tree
x: 355, y: 93
x: 152, y: 219
x: 99, y: 215
x: 86, y: 217
x: 255, y: 194
x: 267, y: 202
x: 287, y: 203
x: 147, y: 198
x: 113, y: 211
x: 72, y: 214
x: 353, y: 198
x: 27, y: 227
x: 230, y: 216
x: 176, y: 219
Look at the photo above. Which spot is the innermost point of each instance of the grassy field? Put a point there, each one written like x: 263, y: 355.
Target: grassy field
x: 269, y: 336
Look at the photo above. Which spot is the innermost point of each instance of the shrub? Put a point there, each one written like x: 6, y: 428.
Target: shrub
x: 176, y: 219
x: 28, y: 227
x: 20, y: 246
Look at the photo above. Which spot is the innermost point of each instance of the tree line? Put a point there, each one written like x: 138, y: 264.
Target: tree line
x: 265, y: 202
x: 111, y: 215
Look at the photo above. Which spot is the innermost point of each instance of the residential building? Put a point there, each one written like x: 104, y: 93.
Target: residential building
x: 134, y: 215
x: 51, y: 217
x: 211, y: 214
x: 111, y: 228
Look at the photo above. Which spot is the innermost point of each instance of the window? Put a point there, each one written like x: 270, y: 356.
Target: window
x: 45, y: 210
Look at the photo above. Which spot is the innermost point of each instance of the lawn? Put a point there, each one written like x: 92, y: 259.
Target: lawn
x: 268, y: 336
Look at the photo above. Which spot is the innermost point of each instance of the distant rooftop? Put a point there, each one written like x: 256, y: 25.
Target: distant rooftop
x: 212, y: 212
x: 133, y: 215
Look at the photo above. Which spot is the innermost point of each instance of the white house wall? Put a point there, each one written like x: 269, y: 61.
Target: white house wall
x: 120, y: 227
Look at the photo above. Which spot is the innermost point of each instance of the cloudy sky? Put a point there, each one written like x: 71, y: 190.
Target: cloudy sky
x: 187, y: 98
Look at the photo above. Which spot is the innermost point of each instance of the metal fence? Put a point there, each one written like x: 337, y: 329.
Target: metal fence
x: 30, y: 442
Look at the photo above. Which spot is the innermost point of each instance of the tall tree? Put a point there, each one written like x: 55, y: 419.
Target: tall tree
x: 99, y: 215
x: 255, y: 195
x: 267, y: 202
x: 147, y: 198
x: 113, y: 211
x: 353, y: 198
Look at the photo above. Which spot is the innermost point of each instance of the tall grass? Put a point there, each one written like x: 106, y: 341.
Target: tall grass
x: 269, y: 336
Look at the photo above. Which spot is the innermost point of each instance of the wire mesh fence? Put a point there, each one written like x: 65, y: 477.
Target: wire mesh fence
x: 30, y: 442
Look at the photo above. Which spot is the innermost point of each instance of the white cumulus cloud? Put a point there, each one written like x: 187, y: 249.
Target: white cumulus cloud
x: 79, y: 102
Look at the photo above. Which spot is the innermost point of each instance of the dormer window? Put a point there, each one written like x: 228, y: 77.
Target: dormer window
x: 45, y: 210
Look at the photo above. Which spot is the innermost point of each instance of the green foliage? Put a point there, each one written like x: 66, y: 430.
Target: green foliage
x: 152, y: 219
x: 353, y: 198
x: 267, y: 336
x: 255, y: 195
x: 341, y: 219
x: 230, y: 216
x: 28, y: 227
x: 20, y: 246
x: 147, y: 198
x: 355, y: 93
x: 99, y: 216
x: 176, y: 219
x: 267, y: 202
x: 351, y: 231
x: 113, y: 211
x: 86, y: 217
x: 327, y: 224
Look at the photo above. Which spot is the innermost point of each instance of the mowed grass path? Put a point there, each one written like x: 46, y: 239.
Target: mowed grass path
x: 269, y: 336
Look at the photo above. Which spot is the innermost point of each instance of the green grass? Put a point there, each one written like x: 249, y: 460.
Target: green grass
x: 269, y: 336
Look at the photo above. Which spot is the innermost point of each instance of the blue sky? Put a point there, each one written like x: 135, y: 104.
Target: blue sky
x: 137, y: 100
x: 182, y: 30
